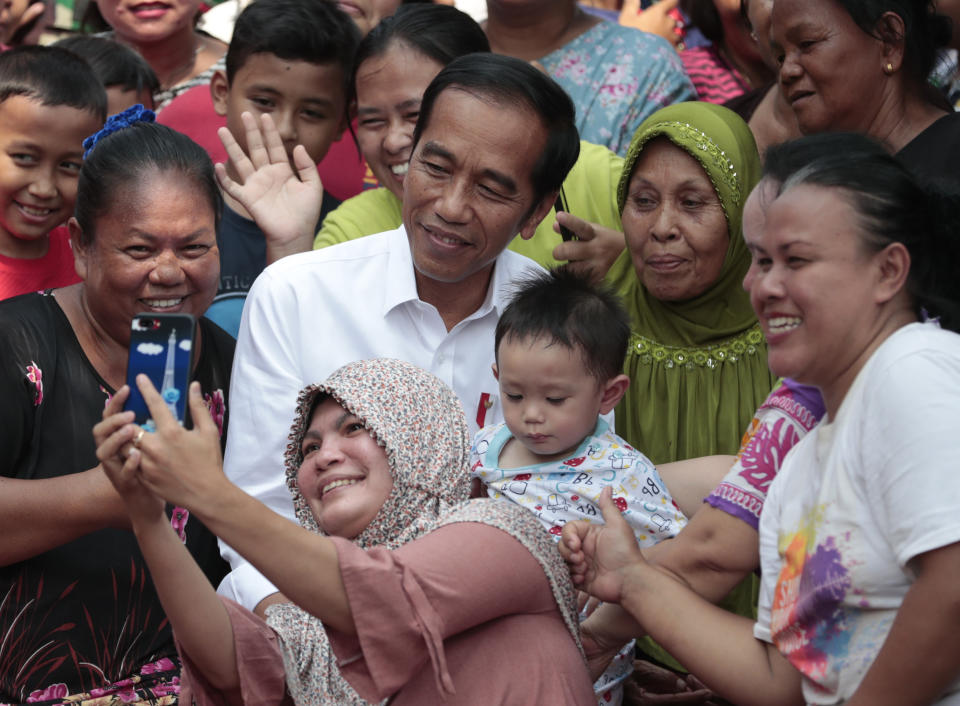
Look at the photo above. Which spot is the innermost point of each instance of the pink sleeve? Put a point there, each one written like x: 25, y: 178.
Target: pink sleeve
x: 262, y: 680
x: 407, y: 601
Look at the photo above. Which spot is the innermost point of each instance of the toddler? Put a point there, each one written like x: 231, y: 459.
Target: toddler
x: 560, y: 346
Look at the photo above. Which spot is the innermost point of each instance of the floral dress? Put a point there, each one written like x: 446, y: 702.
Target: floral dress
x: 81, y: 623
x: 617, y: 77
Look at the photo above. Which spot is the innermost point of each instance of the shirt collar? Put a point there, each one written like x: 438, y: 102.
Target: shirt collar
x: 401, y: 285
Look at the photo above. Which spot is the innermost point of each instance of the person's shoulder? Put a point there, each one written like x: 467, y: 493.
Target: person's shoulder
x: 369, y: 212
x: 222, y: 341
x: 31, y: 310
x: 917, y: 340
x: 360, y: 252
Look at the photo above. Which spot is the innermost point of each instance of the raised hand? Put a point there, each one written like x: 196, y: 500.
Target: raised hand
x: 284, y: 203
x: 598, y: 554
x: 120, y: 459
x: 181, y: 466
x: 595, y: 248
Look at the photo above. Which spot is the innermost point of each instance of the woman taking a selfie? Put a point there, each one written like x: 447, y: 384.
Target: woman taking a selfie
x: 79, y: 614
x: 397, y: 587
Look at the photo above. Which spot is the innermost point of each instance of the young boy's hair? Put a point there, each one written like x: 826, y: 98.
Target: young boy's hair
x: 314, y: 31
x: 53, y: 77
x: 113, y: 63
x: 569, y: 309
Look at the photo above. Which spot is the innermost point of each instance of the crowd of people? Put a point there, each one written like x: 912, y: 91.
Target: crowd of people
x: 595, y: 352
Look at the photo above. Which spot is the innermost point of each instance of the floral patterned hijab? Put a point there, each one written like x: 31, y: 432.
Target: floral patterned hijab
x: 420, y: 424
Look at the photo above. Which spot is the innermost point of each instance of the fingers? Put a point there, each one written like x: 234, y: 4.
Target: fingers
x: 584, y: 230
x: 306, y: 167
x: 158, y: 408
x: 235, y: 154
x: 199, y: 412
x: 256, y: 149
x: 275, y: 151
x: 611, y: 513
x: 112, y: 434
x: 115, y: 404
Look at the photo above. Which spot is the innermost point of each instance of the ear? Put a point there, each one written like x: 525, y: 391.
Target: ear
x: 496, y: 372
x: 540, y: 211
x: 80, y: 253
x: 891, y: 31
x: 894, y: 268
x: 220, y: 92
x: 613, y: 391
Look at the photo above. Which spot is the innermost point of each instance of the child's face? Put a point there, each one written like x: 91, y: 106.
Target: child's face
x: 306, y: 101
x: 41, y: 150
x: 120, y: 98
x: 550, y: 401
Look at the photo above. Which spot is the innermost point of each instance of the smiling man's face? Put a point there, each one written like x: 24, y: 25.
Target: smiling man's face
x: 469, y: 192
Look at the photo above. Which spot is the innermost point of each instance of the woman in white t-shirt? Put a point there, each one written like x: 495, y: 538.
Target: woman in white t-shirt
x: 853, y: 281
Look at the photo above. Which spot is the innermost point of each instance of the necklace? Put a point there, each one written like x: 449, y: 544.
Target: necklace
x: 184, y: 70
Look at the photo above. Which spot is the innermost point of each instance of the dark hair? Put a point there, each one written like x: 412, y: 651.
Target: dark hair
x: 295, y: 30
x: 52, y: 76
x: 440, y: 32
x: 508, y: 80
x: 925, y: 32
x: 121, y: 160
x: 113, y: 63
x: 892, y: 204
x: 704, y: 16
x: 571, y: 311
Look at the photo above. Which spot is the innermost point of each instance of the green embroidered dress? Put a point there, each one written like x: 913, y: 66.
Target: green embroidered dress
x: 698, y: 368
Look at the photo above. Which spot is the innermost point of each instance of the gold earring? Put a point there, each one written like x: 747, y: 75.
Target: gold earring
x: 889, y: 68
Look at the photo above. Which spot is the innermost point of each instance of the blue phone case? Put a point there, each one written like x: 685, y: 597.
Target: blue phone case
x: 161, y: 347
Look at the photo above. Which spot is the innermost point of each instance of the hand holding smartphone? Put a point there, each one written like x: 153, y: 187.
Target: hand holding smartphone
x: 162, y: 348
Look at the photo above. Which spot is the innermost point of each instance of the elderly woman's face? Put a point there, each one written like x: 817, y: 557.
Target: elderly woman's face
x: 831, y: 71
x: 155, y: 250
x: 812, y: 282
x: 344, y: 478
x: 674, y: 224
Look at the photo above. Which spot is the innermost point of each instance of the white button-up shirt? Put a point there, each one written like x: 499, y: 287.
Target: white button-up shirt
x: 309, y: 314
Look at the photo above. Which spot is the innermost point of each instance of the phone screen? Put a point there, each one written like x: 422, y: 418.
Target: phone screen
x: 161, y: 347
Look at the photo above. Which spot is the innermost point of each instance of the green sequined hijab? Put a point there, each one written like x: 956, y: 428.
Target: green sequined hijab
x: 698, y: 368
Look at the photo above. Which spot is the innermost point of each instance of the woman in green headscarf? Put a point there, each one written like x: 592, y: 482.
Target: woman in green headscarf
x: 697, y: 359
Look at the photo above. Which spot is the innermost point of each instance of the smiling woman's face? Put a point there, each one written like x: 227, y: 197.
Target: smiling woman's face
x: 345, y: 477
x: 674, y: 225
x: 389, y: 89
x: 811, y: 39
x: 148, y: 21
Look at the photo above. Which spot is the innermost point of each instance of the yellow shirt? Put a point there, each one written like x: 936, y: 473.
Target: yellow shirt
x: 590, y: 190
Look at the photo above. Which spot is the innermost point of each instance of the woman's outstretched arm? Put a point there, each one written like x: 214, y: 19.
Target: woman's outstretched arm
x: 184, y: 467
x: 717, y: 646
x: 196, y: 614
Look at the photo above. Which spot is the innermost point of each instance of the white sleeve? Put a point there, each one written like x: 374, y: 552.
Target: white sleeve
x: 264, y: 386
x: 911, y: 450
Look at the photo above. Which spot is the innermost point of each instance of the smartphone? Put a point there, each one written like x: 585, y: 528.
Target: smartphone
x: 561, y: 205
x: 161, y: 347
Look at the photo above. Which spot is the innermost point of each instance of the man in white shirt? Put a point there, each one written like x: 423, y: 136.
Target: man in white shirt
x: 494, y: 143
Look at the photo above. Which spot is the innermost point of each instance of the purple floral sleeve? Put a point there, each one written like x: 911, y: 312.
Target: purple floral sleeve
x: 785, y: 417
